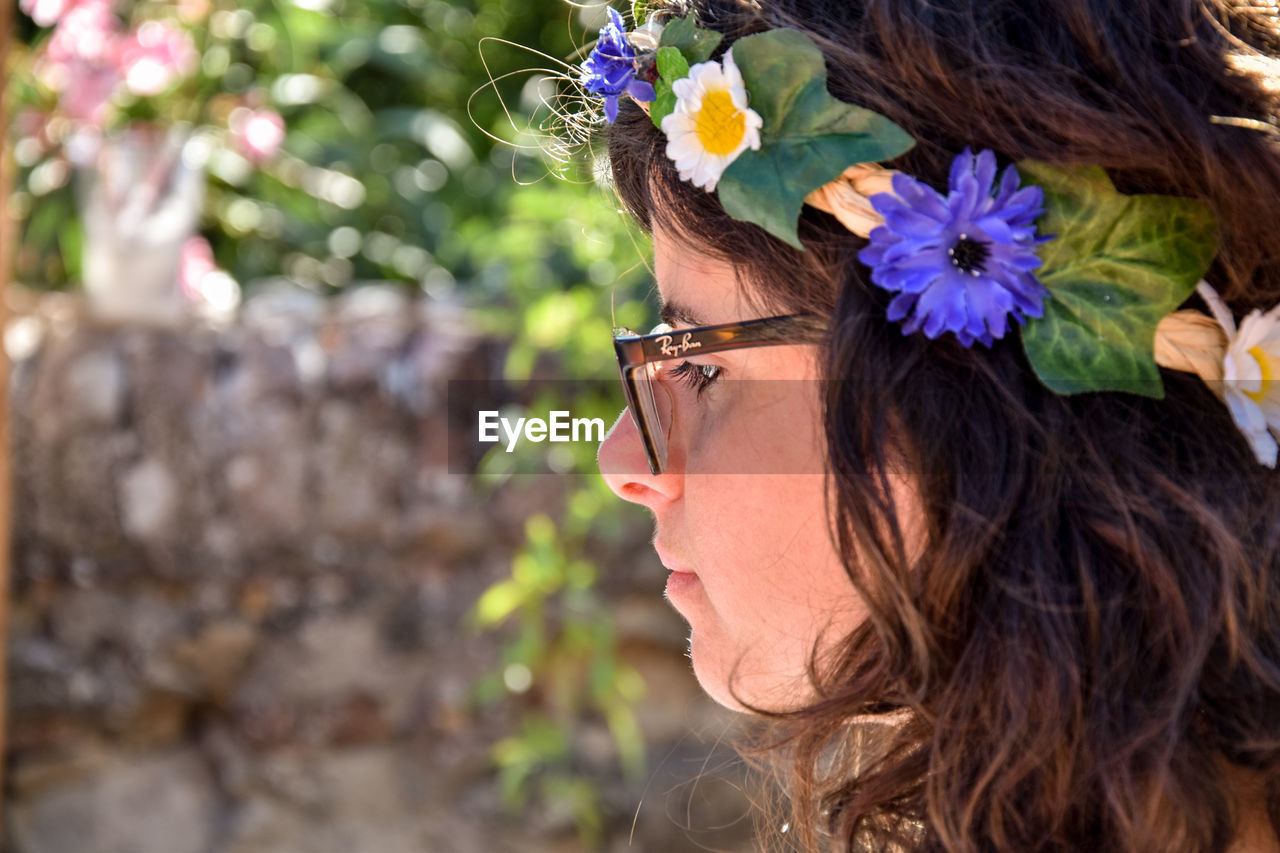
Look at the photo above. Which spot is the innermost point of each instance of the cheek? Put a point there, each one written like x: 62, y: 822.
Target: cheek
x: 755, y: 427
x: 771, y: 562
x: 774, y: 588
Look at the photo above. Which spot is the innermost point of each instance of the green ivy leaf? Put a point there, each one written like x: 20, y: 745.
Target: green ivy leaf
x: 672, y: 65
x: 695, y: 44
x: 1117, y: 265
x: 808, y: 137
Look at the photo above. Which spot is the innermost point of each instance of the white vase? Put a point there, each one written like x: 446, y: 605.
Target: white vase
x: 140, y: 193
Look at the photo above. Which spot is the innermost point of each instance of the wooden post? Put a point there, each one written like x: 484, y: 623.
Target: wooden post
x: 8, y: 234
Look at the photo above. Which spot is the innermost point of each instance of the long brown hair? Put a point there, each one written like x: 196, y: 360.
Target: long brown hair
x: 1091, y: 638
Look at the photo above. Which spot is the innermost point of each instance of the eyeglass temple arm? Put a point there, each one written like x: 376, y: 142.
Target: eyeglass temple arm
x: 792, y: 329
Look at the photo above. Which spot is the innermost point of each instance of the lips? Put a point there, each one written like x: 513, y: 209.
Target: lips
x: 682, y: 583
x: 670, y: 563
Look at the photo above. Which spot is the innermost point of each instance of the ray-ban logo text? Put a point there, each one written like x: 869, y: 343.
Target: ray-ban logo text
x: 686, y: 343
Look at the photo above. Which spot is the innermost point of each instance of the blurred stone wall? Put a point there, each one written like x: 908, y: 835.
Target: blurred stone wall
x: 241, y: 572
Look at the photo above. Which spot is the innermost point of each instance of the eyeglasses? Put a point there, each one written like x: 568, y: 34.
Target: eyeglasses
x: 639, y: 357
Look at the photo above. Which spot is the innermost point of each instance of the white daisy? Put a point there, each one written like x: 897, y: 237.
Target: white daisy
x: 1251, y: 373
x: 1251, y: 369
x: 711, y: 124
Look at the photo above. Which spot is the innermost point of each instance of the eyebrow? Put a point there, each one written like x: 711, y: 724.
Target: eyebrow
x: 673, y: 313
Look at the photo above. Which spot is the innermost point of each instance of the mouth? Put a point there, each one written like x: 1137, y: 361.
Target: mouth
x: 680, y: 585
x: 669, y: 562
x: 682, y: 581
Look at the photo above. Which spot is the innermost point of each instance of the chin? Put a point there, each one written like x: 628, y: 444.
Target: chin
x: 731, y: 679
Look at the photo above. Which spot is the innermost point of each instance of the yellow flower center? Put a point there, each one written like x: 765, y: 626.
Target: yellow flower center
x: 1270, y: 367
x: 719, y: 124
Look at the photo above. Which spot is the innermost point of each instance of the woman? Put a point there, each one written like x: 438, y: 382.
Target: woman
x: 991, y: 603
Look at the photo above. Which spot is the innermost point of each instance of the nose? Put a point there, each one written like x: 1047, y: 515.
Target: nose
x: 625, y: 467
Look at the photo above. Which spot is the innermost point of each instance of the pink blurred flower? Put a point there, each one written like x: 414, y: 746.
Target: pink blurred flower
x: 48, y: 12
x: 77, y: 62
x: 86, y: 95
x: 257, y: 134
x: 155, y: 56
x: 213, y: 292
x: 194, y: 264
x: 43, y: 12
x: 31, y: 123
x: 86, y: 32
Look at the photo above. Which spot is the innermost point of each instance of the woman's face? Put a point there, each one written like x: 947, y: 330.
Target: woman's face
x: 740, y: 511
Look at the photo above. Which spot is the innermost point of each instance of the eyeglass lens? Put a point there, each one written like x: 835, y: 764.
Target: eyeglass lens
x: 649, y: 402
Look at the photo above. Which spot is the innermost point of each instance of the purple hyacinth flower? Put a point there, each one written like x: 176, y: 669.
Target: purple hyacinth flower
x: 610, y: 70
x: 962, y: 263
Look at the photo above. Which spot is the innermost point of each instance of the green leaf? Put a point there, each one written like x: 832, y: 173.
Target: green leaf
x: 498, y: 602
x: 1117, y: 265
x: 808, y: 139
x: 671, y: 67
x: 639, y: 12
x: 695, y: 44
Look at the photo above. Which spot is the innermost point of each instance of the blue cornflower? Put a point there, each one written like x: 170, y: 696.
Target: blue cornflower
x: 961, y: 263
x: 611, y: 68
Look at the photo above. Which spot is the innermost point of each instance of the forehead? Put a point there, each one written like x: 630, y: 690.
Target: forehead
x: 697, y: 288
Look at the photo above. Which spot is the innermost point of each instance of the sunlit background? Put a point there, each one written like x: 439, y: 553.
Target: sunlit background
x: 255, y: 606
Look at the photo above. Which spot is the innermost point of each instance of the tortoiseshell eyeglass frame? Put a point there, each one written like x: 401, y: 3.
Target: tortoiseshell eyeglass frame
x: 637, y: 352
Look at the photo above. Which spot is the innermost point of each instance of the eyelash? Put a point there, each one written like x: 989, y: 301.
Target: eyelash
x: 696, y: 377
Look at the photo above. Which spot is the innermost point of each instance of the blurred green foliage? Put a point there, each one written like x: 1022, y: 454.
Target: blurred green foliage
x: 376, y: 92
x: 564, y: 653
x: 454, y: 198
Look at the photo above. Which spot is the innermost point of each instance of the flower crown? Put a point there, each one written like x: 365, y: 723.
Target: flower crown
x: 1092, y: 276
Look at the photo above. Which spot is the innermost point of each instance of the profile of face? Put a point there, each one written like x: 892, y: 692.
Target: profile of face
x: 740, y: 509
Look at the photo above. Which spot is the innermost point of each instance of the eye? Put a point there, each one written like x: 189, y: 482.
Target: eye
x: 696, y: 377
